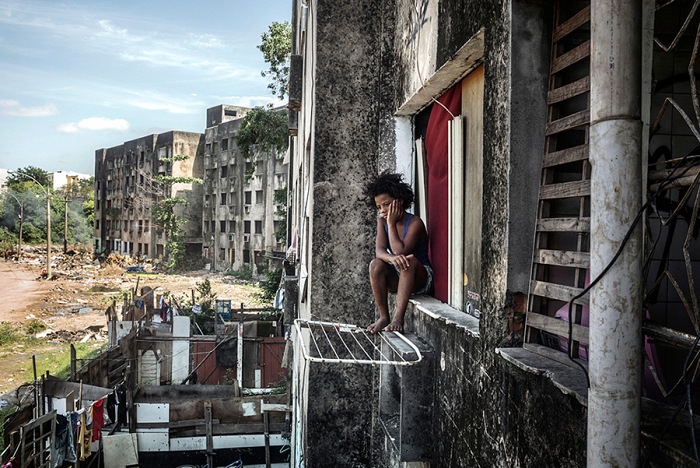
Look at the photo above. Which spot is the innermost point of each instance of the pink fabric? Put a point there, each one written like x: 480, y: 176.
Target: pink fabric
x: 436, y: 145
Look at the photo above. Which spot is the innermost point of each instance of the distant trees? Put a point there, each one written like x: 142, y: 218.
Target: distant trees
x: 71, y: 204
x: 27, y: 175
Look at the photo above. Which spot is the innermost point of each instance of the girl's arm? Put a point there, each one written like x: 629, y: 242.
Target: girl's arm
x: 416, y: 230
x: 382, y: 243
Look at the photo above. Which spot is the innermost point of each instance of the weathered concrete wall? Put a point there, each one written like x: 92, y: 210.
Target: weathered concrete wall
x: 487, y: 412
x: 348, y: 91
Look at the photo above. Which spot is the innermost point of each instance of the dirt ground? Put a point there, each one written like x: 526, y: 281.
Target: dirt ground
x: 72, y: 305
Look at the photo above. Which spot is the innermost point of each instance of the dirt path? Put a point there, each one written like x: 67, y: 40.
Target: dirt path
x: 20, y: 290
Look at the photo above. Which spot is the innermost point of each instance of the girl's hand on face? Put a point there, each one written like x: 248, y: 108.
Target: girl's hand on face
x: 395, y: 210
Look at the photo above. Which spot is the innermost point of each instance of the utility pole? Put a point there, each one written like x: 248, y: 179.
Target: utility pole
x: 65, y: 225
x: 48, y: 234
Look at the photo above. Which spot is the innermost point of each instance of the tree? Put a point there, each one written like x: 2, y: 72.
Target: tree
x: 276, y: 47
x: 77, y: 210
x: 18, y: 179
x: 164, y: 215
x: 266, y: 129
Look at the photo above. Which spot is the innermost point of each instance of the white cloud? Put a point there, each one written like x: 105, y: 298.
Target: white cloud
x: 158, y: 106
x: 205, y: 41
x: 94, y: 124
x: 12, y: 107
x: 112, y: 31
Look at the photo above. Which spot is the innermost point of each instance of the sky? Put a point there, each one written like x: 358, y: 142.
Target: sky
x: 80, y: 75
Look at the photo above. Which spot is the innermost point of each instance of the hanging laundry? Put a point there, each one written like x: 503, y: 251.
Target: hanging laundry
x: 70, y: 455
x: 121, y: 404
x: 111, y: 406
x: 62, y: 430
x: 85, y: 434
x: 97, y: 414
x: 164, y: 310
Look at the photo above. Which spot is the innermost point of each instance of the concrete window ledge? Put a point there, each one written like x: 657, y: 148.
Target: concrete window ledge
x: 570, y: 380
x: 432, y: 307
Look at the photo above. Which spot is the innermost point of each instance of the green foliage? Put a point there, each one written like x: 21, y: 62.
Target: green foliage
x: 9, y: 334
x: 206, y: 298
x: 177, y: 157
x: 276, y: 47
x: 164, y: 216
x: 57, y: 362
x: 269, y: 285
x: 266, y: 129
x: 171, y: 180
x: 34, y: 326
x: 245, y: 272
x: 280, y: 200
x: 32, y: 174
x: 7, y: 239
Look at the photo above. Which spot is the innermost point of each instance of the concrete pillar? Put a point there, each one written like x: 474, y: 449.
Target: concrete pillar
x: 615, y: 302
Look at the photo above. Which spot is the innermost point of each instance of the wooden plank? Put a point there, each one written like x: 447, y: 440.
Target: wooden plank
x: 556, y: 158
x: 557, y: 327
x: 228, y: 429
x: 559, y: 292
x: 569, y: 58
x: 577, y: 119
x: 563, y: 258
x: 578, y: 188
x: 564, y: 225
x: 554, y: 354
x: 568, y: 91
x: 572, y: 24
x: 175, y: 424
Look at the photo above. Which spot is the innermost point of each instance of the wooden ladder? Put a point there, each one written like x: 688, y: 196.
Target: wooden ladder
x: 561, y: 254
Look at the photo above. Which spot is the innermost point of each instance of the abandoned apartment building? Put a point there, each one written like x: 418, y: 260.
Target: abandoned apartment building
x: 541, y: 137
x: 230, y: 217
x: 162, y: 395
x: 242, y: 197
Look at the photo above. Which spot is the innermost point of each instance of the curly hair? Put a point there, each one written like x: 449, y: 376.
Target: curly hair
x: 391, y: 184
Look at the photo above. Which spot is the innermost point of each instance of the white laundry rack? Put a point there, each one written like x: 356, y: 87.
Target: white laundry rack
x: 340, y: 342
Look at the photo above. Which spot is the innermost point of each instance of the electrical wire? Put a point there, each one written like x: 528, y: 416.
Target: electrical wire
x: 662, y: 186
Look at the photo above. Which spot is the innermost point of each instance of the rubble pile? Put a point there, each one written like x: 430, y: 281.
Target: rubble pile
x: 68, y: 336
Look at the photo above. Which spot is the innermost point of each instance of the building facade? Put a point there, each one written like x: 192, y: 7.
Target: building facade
x: 536, y: 135
x: 61, y: 179
x: 127, y: 192
x: 242, y: 197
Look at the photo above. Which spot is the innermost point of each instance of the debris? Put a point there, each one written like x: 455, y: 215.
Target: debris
x: 44, y: 333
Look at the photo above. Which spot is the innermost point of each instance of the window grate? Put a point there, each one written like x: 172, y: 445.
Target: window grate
x: 345, y: 343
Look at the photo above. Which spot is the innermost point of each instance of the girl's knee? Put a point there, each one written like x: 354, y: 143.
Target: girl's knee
x: 376, y: 266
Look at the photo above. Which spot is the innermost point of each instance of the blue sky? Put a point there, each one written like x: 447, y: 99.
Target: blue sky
x: 80, y: 75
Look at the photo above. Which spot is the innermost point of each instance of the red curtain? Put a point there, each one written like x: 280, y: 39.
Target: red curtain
x: 436, y: 145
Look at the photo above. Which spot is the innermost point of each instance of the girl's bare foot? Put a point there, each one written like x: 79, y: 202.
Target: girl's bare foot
x: 394, y: 325
x: 379, y: 325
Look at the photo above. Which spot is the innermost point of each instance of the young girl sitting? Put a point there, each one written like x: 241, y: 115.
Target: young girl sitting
x: 401, y: 265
